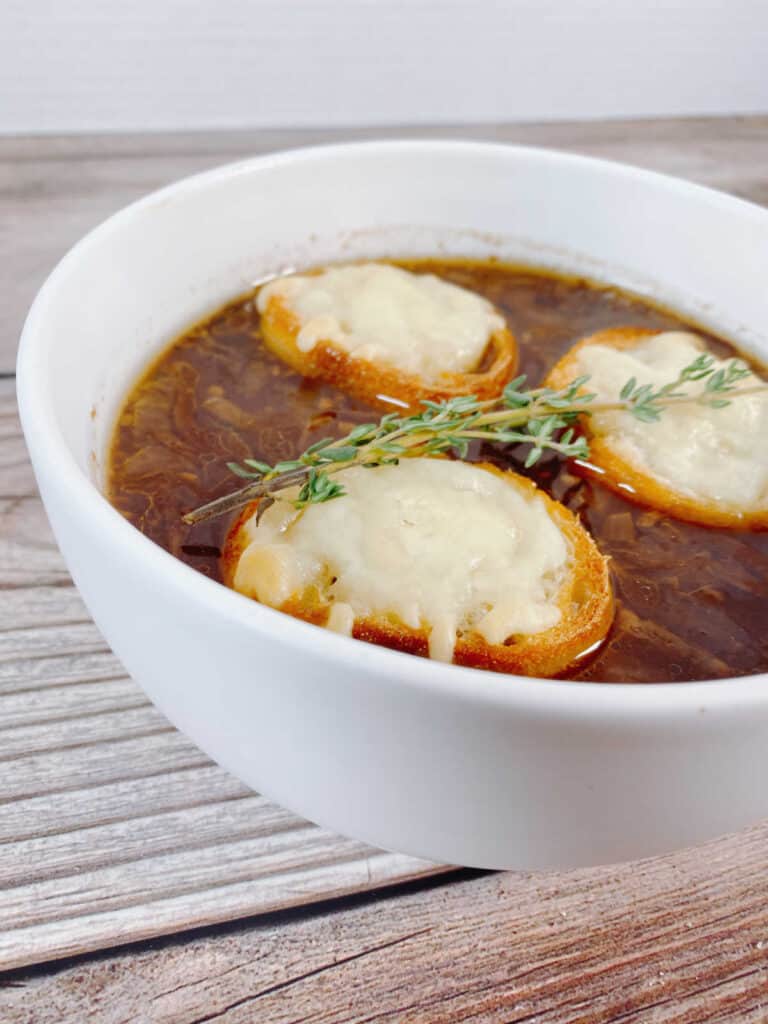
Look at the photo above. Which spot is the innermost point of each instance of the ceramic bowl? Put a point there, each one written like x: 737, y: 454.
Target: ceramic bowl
x: 448, y: 763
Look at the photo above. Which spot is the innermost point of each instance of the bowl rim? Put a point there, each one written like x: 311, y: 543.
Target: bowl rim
x: 573, y: 699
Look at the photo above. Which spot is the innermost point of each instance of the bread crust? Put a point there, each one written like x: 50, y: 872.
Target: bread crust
x: 375, y: 382
x: 585, y: 601
x: 630, y: 481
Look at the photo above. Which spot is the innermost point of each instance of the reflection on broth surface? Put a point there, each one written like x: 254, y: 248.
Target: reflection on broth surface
x: 690, y: 600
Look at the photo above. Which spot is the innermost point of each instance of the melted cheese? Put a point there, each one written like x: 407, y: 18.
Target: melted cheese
x: 379, y: 313
x: 712, y: 455
x: 436, y: 545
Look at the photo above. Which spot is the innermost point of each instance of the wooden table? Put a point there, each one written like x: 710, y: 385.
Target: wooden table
x: 114, y: 828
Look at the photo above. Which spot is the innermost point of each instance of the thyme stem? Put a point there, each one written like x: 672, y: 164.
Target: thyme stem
x: 543, y: 417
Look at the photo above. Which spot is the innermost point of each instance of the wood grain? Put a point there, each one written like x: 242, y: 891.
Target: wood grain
x: 113, y: 826
x: 681, y: 938
x: 96, y: 847
x: 54, y: 189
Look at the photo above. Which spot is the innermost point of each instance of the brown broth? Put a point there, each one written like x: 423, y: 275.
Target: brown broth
x: 691, y: 601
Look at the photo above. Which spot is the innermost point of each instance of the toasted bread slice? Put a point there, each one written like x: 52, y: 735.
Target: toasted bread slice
x: 379, y: 332
x: 704, y: 465
x: 465, y: 563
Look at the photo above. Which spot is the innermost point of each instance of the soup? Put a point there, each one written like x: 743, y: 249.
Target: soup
x: 690, y: 600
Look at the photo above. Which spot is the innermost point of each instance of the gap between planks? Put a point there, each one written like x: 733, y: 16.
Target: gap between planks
x: 682, y: 938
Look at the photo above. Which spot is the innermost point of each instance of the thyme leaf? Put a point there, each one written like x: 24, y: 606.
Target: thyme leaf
x: 541, y: 417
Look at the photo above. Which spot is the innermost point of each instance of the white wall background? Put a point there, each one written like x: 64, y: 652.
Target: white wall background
x: 157, y: 64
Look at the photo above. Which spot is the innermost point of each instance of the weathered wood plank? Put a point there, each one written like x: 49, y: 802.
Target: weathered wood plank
x: 76, y: 714
x: 45, y: 641
x: 126, y: 800
x: 53, y: 190
x: 101, y: 846
x: 136, y: 720
x: 113, y: 826
x: 94, y: 850
x: 62, y: 771
x: 29, y: 607
x: 28, y: 552
x: 316, y: 871
x: 681, y: 938
x: 148, y: 880
x: 122, y: 830
x: 117, y: 827
x: 24, y: 675
x: 15, y: 469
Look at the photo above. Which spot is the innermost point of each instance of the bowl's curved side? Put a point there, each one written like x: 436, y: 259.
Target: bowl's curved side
x: 417, y: 762
x: 448, y: 763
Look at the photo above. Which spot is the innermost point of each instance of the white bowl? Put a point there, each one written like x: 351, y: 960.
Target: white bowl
x: 448, y: 763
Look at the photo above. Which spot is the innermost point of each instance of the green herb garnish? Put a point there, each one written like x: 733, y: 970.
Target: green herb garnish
x: 541, y: 417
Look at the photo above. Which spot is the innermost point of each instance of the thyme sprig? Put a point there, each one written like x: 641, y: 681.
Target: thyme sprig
x: 542, y: 417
